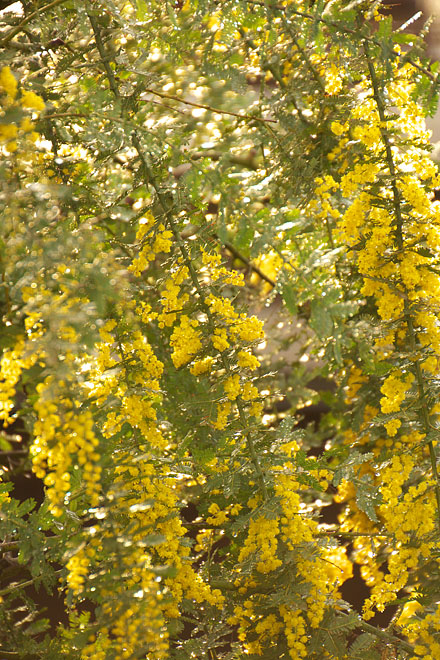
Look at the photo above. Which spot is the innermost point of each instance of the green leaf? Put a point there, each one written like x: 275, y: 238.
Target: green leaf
x: 289, y: 297
x: 5, y: 445
x: 321, y: 320
x: 152, y: 540
x: 37, y: 627
x: 244, y: 235
x: 361, y: 644
x: 367, y: 496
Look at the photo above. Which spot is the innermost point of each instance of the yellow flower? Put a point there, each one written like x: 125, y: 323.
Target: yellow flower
x: 185, y: 341
x: 394, y: 389
x: 232, y: 387
x: 8, y: 82
x: 32, y: 100
x: 337, y: 128
x: 393, y: 426
x: 7, y: 131
x: 202, y: 366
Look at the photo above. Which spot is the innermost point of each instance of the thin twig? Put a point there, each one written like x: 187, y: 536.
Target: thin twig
x: 18, y: 28
x: 386, y: 637
x: 58, y: 115
x: 171, y: 97
x: 248, y: 263
x: 26, y: 583
x: 100, y: 45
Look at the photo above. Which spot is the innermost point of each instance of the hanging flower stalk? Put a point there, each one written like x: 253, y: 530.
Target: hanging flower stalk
x: 391, y: 224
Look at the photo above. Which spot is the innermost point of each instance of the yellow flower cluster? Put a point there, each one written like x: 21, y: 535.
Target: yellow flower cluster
x: 63, y: 432
x: 78, y: 570
x: 394, y: 388
x: 420, y: 633
x: 153, y: 240
x: 28, y: 100
x: 333, y: 79
x: 295, y: 631
x: 216, y: 272
x: 108, y: 377
x: 139, y: 625
x: 322, y: 570
x: 12, y: 364
x: 378, y: 196
x: 296, y: 530
x: 270, y: 264
x: 262, y: 541
x: 202, y: 366
x: 173, y: 300
x: 8, y: 83
x: 185, y: 341
x: 409, y: 517
x: 223, y: 411
x: 150, y: 503
x: 227, y: 326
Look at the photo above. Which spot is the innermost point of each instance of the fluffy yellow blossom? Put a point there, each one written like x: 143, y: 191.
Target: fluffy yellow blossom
x: 212, y: 264
x: 31, y: 100
x: 249, y: 392
x: 245, y: 359
x: 333, y: 79
x: 153, y: 242
x: 393, y: 426
x: 232, y: 387
x: 8, y: 131
x: 8, y: 83
x: 262, y: 541
x: 217, y: 517
x: 12, y: 364
x: 248, y: 328
x: 220, y: 339
x: 394, y: 388
x: 337, y: 128
x: 223, y: 412
x: 185, y: 341
x: 202, y: 366
x: 295, y: 632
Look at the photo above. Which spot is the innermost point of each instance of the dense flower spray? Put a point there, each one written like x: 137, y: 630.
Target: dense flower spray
x: 182, y: 514
x: 388, y: 218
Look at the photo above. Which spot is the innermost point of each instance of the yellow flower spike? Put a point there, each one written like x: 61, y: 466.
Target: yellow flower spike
x: 247, y: 360
x: 223, y: 412
x: 8, y: 82
x: 392, y: 427
x: 394, y: 388
x: 232, y: 387
x: 31, y: 100
x: 185, y: 341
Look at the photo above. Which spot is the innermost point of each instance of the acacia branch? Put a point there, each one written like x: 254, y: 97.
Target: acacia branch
x: 150, y: 180
x: 203, y: 106
x: 398, y: 216
x: 18, y: 28
x: 343, y: 28
x: 386, y: 637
